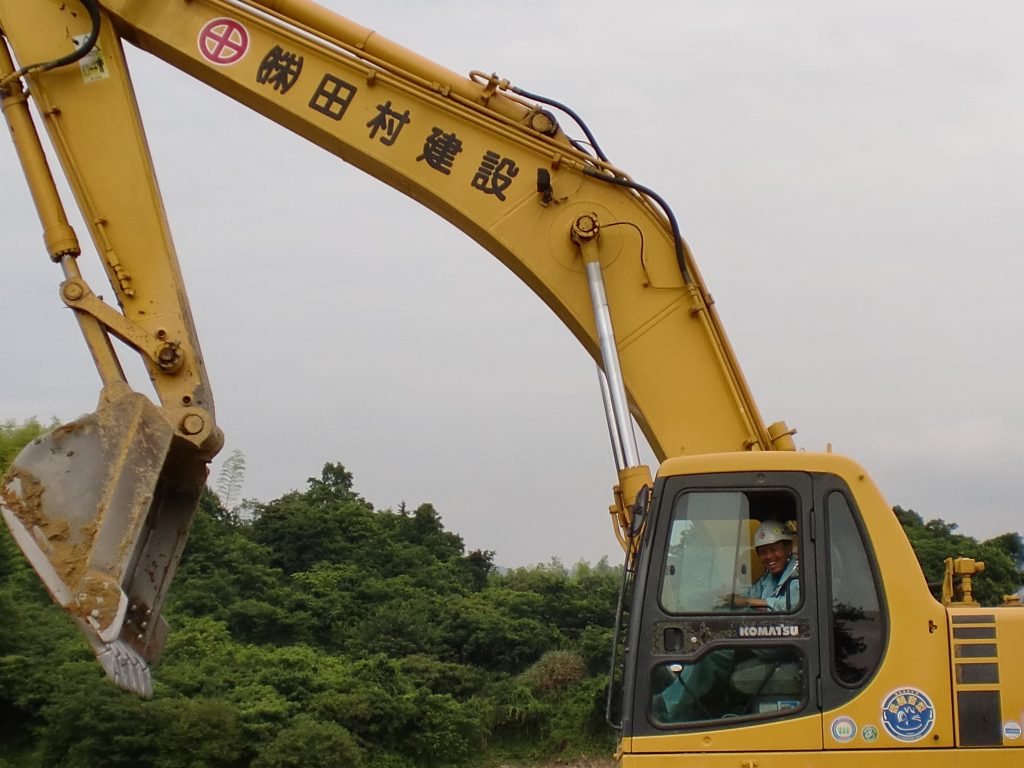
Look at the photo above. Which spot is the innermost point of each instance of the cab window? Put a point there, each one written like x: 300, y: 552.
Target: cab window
x: 731, y: 552
x: 857, y: 633
x: 727, y: 683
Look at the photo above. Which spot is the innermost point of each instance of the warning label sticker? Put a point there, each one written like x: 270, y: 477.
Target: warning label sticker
x: 92, y: 65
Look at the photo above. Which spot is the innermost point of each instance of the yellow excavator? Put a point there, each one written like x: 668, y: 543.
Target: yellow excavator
x: 776, y: 612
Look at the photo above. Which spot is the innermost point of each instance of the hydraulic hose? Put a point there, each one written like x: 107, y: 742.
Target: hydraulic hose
x: 93, y: 9
x: 563, y: 108
x: 676, y: 235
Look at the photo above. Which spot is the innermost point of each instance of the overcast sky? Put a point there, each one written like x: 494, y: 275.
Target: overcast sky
x: 848, y: 175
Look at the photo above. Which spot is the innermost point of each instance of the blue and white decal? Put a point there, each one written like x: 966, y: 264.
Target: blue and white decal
x: 907, y: 714
x: 1011, y: 730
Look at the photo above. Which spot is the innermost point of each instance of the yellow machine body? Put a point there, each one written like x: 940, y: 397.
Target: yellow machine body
x: 960, y: 662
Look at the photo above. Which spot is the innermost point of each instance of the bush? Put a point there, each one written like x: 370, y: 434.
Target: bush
x: 554, y: 671
x: 309, y: 743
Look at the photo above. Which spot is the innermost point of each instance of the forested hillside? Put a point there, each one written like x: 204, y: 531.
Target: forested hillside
x: 321, y: 632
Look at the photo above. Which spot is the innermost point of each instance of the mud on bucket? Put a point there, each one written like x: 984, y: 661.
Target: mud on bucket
x: 102, y: 507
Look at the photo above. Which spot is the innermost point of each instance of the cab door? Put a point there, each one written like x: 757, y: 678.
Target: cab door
x: 708, y: 671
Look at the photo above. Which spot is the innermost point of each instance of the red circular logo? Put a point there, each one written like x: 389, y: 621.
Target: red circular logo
x: 223, y: 41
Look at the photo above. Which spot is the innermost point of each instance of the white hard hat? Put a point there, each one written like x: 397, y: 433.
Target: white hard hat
x: 770, y: 532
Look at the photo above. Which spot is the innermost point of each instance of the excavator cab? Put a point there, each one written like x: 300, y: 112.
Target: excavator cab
x: 727, y: 638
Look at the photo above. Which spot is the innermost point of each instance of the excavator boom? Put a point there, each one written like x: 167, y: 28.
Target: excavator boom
x: 466, y: 149
x: 102, y: 506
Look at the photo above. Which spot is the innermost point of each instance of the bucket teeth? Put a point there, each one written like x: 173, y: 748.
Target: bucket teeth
x: 125, y: 667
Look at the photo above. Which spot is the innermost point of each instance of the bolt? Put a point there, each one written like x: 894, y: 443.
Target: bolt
x: 192, y: 424
x: 167, y: 356
x: 544, y: 122
x: 585, y: 228
x: 73, y: 291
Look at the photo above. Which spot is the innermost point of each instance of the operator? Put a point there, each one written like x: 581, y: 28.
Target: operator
x: 778, y: 588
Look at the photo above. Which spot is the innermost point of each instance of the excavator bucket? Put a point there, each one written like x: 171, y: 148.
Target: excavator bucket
x: 102, y: 507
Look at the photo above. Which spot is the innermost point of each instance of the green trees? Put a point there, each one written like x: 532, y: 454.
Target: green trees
x: 14, y: 437
x: 318, y: 632
x: 935, y: 540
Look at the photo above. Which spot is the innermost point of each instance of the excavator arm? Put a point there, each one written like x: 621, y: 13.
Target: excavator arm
x: 103, y: 505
